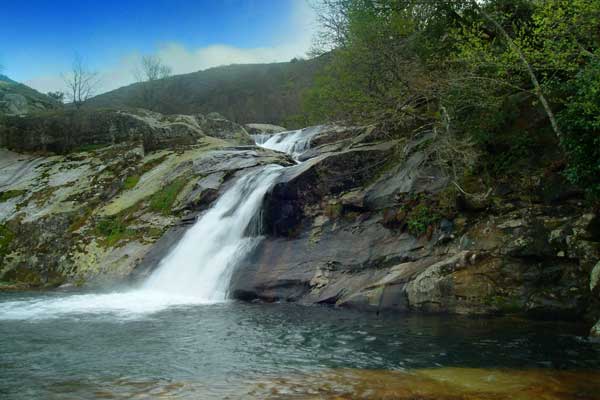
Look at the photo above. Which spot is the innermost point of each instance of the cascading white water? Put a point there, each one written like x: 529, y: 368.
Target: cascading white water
x: 202, y: 262
x: 293, y: 143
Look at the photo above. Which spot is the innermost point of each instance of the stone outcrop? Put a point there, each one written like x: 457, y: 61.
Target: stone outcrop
x: 18, y: 99
x: 65, y: 131
x: 263, y: 129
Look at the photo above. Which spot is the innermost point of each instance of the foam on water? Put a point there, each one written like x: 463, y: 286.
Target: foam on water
x: 125, y: 305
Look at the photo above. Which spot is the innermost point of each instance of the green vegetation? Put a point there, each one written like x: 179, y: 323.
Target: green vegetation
x: 131, y: 182
x: 420, y: 218
x: 114, y: 229
x: 499, y: 78
x: 162, y: 201
x: 268, y: 93
x: 6, y: 237
x: 4, y: 196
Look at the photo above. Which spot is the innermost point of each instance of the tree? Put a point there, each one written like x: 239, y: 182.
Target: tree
x: 150, y: 71
x: 81, y: 82
x: 152, y: 68
x: 58, y: 96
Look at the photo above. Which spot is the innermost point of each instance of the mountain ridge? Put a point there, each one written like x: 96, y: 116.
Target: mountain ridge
x: 244, y: 93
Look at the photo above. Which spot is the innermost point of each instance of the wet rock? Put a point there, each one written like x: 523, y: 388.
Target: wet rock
x: 305, y: 184
x: 596, y: 329
x: 595, y: 277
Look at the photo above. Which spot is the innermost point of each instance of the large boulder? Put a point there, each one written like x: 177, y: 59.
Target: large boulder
x: 64, y: 131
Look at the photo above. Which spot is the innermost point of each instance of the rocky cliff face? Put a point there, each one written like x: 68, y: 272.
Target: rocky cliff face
x: 365, y: 221
x: 372, y: 224
x: 92, y: 214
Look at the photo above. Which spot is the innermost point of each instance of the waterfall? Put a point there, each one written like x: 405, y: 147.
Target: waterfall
x: 199, y: 268
x: 293, y: 143
x: 202, y: 262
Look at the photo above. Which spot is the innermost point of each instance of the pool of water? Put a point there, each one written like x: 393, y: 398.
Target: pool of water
x: 59, y: 346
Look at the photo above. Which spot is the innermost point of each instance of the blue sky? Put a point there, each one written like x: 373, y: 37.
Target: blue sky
x: 39, y: 38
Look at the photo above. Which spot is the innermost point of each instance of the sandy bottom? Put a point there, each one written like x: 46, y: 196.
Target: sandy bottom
x: 438, y: 384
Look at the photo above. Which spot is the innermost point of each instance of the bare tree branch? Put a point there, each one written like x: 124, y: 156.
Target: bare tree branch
x: 81, y: 82
x: 151, y: 68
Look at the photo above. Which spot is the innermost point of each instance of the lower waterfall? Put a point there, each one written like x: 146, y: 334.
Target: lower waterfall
x: 201, y: 263
x: 198, y: 269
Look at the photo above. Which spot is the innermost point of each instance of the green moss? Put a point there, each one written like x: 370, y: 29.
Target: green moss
x: 131, y: 182
x: 6, y: 238
x: 4, y: 196
x: 162, y: 201
x: 333, y: 210
x: 147, y: 166
x: 506, y: 305
x: 114, y: 229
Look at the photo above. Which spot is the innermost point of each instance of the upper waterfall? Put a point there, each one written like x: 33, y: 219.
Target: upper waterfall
x: 293, y: 143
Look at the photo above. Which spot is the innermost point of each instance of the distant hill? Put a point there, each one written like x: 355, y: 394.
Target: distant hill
x: 268, y: 93
x: 4, y: 78
x: 19, y: 99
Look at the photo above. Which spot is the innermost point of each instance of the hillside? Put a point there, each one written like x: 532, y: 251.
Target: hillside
x: 19, y: 99
x: 268, y: 93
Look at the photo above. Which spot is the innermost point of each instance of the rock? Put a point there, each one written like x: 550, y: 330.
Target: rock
x: 263, y: 129
x: 217, y: 126
x: 305, y: 184
x: 411, y: 176
x: 64, y: 131
x: 18, y: 99
x: 595, y: 277
x: 595, y: 331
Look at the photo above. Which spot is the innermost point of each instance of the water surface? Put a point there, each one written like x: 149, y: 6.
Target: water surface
x: 88, y: 346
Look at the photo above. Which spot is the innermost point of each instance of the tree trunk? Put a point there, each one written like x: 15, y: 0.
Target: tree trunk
x: 534, y: 80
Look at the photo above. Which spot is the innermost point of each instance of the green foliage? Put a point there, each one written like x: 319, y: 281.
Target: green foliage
x: 266, y: 93
x: 491, y: 73
x: 420, y: 218
x: 581, y: 121
x: 162, y: 201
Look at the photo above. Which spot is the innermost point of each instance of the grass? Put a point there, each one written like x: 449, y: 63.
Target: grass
x: 89, y: 147
x: 131, y: 182
x: 162, y: 201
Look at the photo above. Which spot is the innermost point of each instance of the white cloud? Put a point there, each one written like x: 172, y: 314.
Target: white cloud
x: 184, y: 60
